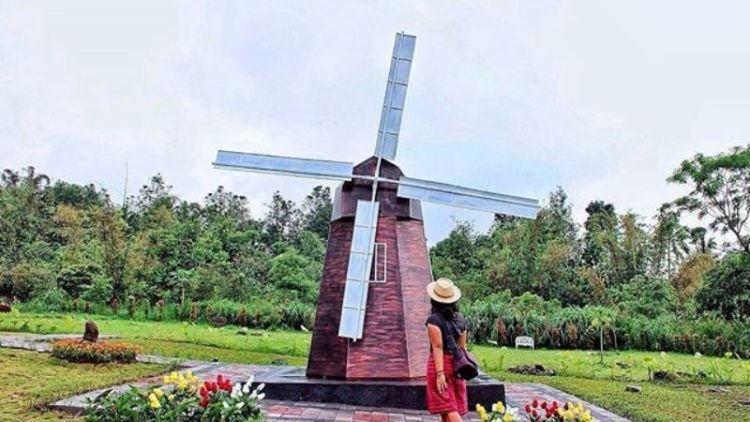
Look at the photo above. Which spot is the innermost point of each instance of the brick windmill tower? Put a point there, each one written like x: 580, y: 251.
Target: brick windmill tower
x: 372, y: 305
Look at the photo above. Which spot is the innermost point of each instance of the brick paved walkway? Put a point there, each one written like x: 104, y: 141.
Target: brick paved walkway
x: 517, y: 394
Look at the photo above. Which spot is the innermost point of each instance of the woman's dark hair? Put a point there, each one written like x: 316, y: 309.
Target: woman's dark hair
x: 448, y: 310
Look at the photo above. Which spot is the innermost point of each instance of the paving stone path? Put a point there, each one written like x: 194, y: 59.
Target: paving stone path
x: 516, y: 394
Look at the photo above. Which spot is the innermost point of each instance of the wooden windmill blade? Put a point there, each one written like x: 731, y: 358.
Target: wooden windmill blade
x: 458, y: 196
x: 353, y: 307
x: 395, y: 96
x: 290, y: 166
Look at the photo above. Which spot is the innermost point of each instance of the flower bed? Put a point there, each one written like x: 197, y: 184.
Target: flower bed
x: 184, y: 398
x: 536, y: 411
x: 74, y: 350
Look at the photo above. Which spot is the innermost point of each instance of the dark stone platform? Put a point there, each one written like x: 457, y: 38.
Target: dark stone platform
x: 291, y: 384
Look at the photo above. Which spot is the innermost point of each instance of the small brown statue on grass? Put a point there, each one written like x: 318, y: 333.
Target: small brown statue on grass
x: 91, y: 333
x: 4, y: 307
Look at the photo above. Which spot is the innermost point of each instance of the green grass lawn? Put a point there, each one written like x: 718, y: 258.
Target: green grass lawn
x: 579, y: 372
x: 30, y: 379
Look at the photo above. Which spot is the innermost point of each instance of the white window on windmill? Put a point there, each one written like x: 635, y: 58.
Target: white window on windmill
x: 379, y: 263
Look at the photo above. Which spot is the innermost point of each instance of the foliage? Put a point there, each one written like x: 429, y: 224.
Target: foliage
x: 689, y: 277
x: 726, y: 287
x: 183, y: 400
x: 155, y: 247
x: 77, y: 351
x: 719, y: 191
x: 501, y: 319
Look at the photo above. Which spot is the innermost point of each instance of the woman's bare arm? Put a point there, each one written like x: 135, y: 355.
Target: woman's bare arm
x: 436, y: 340
x: 462, y: 341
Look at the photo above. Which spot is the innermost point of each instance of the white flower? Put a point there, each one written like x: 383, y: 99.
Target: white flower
x: 250, y: 380
x: 246, y: 389
x: 226, y: 405
x: 494, y: 407
x: 254, y: 395
x: 239, y: 405
x: 261, y: 387
x: 261, y: 396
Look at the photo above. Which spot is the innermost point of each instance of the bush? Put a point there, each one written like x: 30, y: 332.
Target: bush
x: 504, y: 319
x: 77, y: 279
x: 726, y: 287
x: 74, y: 350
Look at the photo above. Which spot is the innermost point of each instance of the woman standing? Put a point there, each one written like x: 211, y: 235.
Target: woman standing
x: 446, y: 394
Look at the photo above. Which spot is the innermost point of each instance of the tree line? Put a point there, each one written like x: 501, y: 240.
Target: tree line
x: 647, y: 266
x: 63, y: 242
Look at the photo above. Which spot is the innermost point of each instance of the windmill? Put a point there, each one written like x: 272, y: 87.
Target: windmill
x: 376, y: 243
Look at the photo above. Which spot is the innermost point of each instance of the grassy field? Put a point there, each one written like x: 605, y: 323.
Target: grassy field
x: 29, y: 379
x: 688, y: 398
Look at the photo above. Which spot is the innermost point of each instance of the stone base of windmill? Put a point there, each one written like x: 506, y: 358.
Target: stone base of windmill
x: 291, y: 384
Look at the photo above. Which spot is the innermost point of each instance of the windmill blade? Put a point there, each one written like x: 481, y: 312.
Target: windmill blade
x: 457, y: 196
x: 292, y: 166
x: 358, y: 271
x: 395, y: 96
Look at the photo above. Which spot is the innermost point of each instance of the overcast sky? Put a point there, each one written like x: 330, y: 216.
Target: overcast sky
x: 602, y: 98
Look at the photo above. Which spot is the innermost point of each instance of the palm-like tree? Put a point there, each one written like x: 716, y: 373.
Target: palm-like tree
x: 37, y: 181
x: 670, y: 240
x: 10, y: 178
x: 700, y: 240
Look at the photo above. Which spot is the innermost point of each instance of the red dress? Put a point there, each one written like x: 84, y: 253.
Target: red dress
x: 454, y: 398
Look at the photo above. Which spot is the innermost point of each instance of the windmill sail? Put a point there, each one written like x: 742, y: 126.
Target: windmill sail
x: 457, y: 196
x: 358, y: 270
x: 395, y: 96
x: 301, y: 167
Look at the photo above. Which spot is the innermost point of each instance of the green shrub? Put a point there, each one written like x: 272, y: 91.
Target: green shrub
x: 726, y: 287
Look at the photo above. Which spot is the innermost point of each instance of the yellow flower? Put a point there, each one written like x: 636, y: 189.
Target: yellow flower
x: 507, y: 418
x: 158, y: 392
x: 499, y: 407
x: 482, y: 412
x: 586, y: 416
x: 153, y: 401
x: 170, y: 397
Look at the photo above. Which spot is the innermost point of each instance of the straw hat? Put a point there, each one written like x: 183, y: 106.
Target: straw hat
x: 444, y: 291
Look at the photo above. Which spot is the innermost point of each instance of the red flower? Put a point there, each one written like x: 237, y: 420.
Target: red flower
x: 544, y: 405
x: 533, y: 413
x: 535, y: 403
x: 528, y: 409
x: 204, y: 402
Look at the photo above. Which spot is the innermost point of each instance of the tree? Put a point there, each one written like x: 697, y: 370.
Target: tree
x: 720, y: 191
x: 689, y: 277
x: 110, y: 232
x: 700, y: 240
x: 316, y: 211
x: 601, y: 227
x: 670, y: 239
x: 726, y: 287
x: 282, y: 220
x: 36, y: 181
x: 10, y: 178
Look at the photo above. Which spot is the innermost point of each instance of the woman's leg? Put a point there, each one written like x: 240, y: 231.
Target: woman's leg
x: 453, y: 417
x: 443, y: 417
